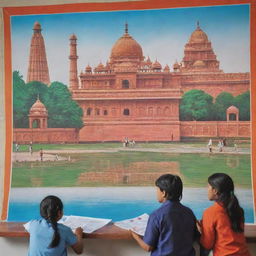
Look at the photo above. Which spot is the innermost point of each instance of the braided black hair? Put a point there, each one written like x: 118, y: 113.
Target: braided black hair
x: 225, y: 191
x: 49, y: 210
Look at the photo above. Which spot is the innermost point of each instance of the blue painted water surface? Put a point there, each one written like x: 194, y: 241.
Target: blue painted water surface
x: 112, y: 203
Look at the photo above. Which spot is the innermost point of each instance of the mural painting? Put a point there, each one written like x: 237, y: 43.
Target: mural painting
x: 105, y: 102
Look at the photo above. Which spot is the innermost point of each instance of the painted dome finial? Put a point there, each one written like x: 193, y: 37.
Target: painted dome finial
x: 126, y: 28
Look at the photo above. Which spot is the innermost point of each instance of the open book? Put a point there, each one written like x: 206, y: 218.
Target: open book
x: 88, y: 224
x: 137, y: 225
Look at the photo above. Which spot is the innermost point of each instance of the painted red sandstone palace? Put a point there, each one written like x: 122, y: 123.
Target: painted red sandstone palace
x: 134, y: 97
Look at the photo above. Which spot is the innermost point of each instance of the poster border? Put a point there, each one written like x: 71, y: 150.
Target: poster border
x: 114, y: 6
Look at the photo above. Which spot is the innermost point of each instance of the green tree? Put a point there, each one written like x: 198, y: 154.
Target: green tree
x: 223, y: 101
x: 20, y: 97
x: 63, y: 111
x: 36, y: 90
x: 196, y: 105
x: 242, y: 102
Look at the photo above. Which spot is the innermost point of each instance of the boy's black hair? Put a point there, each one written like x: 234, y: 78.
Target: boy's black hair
x: 171, y: 185
x: 49, y: 210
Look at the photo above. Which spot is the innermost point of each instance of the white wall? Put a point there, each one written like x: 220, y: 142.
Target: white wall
x: 92, y: 247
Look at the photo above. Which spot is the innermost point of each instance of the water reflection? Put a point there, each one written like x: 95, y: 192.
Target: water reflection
x: 233, y: 162
x: 130, y: 168
x: 136, y: 173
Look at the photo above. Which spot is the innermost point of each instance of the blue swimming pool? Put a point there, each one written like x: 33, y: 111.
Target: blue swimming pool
x: 116, y: 203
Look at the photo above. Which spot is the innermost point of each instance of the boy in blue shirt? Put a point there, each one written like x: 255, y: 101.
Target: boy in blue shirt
x: 171, y: 229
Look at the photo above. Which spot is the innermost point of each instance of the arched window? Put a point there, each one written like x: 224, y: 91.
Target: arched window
x: 232, y: 117
x: 36, y: 123
x: 166, y: 111
x: 105, y: 112
x: 159, y: 111
x: 97, y: 111
x: 126, y: 112
x: 150, y: 111
x: 89, y: 111
x: 125, y: 84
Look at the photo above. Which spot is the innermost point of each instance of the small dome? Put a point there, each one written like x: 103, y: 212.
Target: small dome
x: 107, y: 67
x: 156, y: 65
x: 73, y: 37
x: 176, y: 65
x: 38, y: 108
x: 37, y: 26
x: 88, y: 68
x: 199, y: 63
x: 126, y: 47
x: 148, y: 61
x: 167, y: 68
x: 198, y: 36
x: 232, y: 109
x: 100, y: 67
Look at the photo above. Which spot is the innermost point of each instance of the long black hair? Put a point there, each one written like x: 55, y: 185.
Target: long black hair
x: 225, y: 191
x: 172, y: 185
x: 49, y: 210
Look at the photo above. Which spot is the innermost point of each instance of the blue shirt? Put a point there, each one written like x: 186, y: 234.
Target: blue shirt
x: 171, y: 230
x: 41, y: 233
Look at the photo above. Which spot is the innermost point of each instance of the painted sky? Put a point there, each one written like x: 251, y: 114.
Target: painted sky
x: 162, y: 35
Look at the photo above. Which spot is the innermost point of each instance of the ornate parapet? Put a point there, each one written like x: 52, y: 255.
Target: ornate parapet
x: 48, y: 135
x: 239, y: 129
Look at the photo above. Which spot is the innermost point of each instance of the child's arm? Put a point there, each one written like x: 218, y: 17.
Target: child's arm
x: 78, y: 246
x: 207, y: 230
x: 141, y: 243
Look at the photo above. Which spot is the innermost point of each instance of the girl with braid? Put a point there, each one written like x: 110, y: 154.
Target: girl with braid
x: 222, y: 225
x: 49, y: 238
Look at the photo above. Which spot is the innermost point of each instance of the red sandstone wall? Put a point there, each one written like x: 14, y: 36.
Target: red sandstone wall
x: 214, y: 84
x: 146, y: 131
x: 152, y: 110
x: 116, y: 131
x: 48, y: 135
x: 215, y: 129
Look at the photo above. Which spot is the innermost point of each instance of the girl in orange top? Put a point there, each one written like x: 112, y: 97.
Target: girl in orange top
x: 222, y: 226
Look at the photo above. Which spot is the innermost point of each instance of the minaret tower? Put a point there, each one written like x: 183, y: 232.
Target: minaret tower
x: 73, y: 79
x: 38, y: 67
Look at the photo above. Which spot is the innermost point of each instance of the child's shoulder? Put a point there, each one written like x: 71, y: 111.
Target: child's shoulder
x: 64, y: 227
x: 33, y: 224
x: 214, y: 209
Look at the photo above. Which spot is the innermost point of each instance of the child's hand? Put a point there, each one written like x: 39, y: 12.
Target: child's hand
x: 135, y: 235
x: 199, y: 226
x: 79, y: 232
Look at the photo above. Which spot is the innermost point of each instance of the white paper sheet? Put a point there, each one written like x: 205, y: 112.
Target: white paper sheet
x: 137, y: 225
x: 88, y: 224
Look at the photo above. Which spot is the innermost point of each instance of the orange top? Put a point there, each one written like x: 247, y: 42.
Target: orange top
x: 218, y: 235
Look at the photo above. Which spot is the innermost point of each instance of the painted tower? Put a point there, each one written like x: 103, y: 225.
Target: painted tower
x: 200, y: 70
x: 198, y: 54
x: 38, y: 67
x: 73, y: 79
